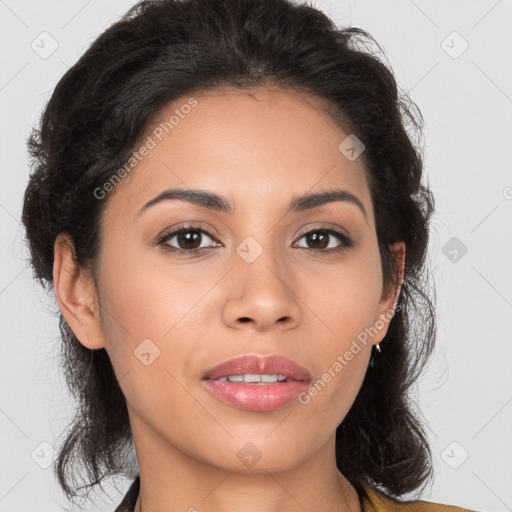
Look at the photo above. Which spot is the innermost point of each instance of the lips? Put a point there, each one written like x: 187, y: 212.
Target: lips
x: 251, y: 364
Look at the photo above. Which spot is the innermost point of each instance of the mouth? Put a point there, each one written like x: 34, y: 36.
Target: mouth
x: 257, y: 396
x: 255, y: 379
x: 257, y: 383
x: 253, y: 369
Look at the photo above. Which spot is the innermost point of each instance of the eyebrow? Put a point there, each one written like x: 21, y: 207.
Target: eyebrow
x: 218, y: 203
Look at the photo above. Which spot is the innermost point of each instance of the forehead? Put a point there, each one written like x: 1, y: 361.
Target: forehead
x: 259, y: 147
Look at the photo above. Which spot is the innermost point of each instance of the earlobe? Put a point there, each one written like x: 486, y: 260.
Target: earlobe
x: 76, y: 295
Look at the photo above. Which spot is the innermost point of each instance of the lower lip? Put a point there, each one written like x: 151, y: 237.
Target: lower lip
x: 256, y: 397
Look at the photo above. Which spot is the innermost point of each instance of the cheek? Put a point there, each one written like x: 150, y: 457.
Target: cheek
x: 345, y: 307
x: 150, y: 335
x: 150, y: 320
x: 145, y: 296
x: 344, y: 296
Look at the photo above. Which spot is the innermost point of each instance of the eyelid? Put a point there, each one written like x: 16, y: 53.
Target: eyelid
x: 172, y: 232
x: 192, y: 225
x: 324, y: 226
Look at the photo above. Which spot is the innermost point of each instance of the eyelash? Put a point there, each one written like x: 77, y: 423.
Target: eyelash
x: 346, y: 242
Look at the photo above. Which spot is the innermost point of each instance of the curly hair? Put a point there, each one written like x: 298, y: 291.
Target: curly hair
x: 101, y: 108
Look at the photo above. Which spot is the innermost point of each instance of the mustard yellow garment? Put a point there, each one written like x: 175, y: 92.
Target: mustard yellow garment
x: 375, y: 501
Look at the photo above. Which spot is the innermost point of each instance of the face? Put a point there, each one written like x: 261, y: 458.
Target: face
x: 255, y: 279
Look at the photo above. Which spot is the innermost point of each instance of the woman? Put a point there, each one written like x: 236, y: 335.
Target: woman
x: 229, y: 209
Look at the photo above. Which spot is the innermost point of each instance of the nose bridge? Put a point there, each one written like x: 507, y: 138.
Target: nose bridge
x: 264, y: 289
x: 262, y: 264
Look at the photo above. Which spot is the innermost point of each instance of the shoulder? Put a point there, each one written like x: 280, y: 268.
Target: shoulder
x: 375, y: 501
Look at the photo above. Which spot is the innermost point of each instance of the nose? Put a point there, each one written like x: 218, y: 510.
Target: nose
x: 261, y: 296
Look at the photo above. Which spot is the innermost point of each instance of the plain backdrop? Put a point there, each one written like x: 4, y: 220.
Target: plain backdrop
x: 453, y: 57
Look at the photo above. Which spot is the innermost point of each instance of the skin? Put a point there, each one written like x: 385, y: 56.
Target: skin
x: 259, y: 150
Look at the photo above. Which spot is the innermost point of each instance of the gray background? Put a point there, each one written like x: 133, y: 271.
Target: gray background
x: 466, y: 99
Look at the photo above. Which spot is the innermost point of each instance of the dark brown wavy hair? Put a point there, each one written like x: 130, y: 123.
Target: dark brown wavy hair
x: 99, y: 111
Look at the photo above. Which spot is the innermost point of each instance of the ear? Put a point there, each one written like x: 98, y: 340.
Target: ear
x: 76, y: 294
x: 387, y: 304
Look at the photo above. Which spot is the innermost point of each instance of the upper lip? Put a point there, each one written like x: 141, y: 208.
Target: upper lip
x: 259, y: 365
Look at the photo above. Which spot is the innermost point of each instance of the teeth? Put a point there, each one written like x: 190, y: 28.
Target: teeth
x: 251, y: 378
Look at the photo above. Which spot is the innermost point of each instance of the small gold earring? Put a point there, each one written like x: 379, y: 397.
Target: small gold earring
x: 378, y: 344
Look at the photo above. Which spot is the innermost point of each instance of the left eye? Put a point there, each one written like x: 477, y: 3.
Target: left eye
x: 321, y: 236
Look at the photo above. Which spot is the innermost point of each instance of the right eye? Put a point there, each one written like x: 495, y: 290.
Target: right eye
x: 188, y: 238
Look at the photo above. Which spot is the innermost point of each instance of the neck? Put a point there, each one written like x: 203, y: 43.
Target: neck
x: 171, y: 479
x: 350, y: 501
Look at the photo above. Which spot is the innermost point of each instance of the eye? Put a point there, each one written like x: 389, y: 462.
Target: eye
x: 188, y: 238
x: 322, y: 237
